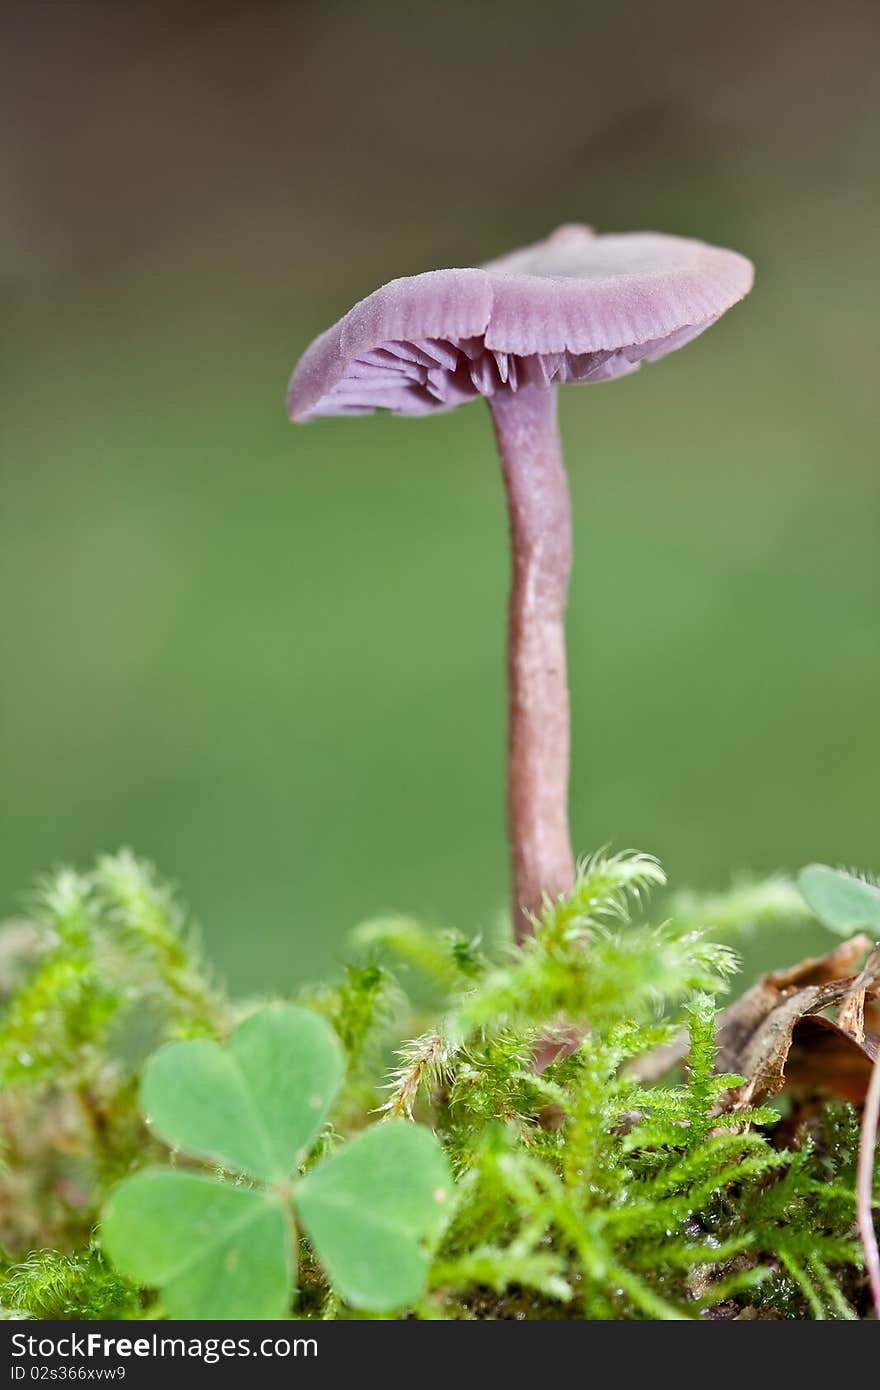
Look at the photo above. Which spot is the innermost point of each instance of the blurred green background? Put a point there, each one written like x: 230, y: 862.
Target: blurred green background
x: 271, y: 658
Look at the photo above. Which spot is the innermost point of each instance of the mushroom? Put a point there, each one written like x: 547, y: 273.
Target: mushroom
x: 576, y: 307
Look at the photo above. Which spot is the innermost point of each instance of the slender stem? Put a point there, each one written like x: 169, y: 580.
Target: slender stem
x: 538, y: 721
x: 865, y: 1183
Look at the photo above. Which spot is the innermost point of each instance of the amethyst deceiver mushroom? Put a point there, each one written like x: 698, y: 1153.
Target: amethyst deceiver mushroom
x: 576, y: 307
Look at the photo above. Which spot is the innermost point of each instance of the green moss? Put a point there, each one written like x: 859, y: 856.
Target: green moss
x: 580, y: 1191
x: 80, y: 1287
x: 116, y: 973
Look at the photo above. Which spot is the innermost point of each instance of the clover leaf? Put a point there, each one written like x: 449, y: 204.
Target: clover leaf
x: 254, y: 1108
x: 215, y: 1250
x: 842, y: 903
x: 369, y: 1209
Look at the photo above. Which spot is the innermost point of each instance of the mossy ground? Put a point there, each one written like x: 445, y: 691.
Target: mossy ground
x: 581, y: 1191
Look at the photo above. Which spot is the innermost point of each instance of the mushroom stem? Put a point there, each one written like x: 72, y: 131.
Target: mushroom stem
x: 539, y: 510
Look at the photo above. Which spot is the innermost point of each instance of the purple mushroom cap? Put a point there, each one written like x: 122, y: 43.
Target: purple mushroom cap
x: 575, y: 307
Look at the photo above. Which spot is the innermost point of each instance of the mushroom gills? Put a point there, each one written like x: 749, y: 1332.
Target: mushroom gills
x: 415, y: 377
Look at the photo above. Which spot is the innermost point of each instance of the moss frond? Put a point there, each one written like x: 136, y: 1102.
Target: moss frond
x: 748, y: 908
x: 441, y: 960
x: 423, y: 1064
